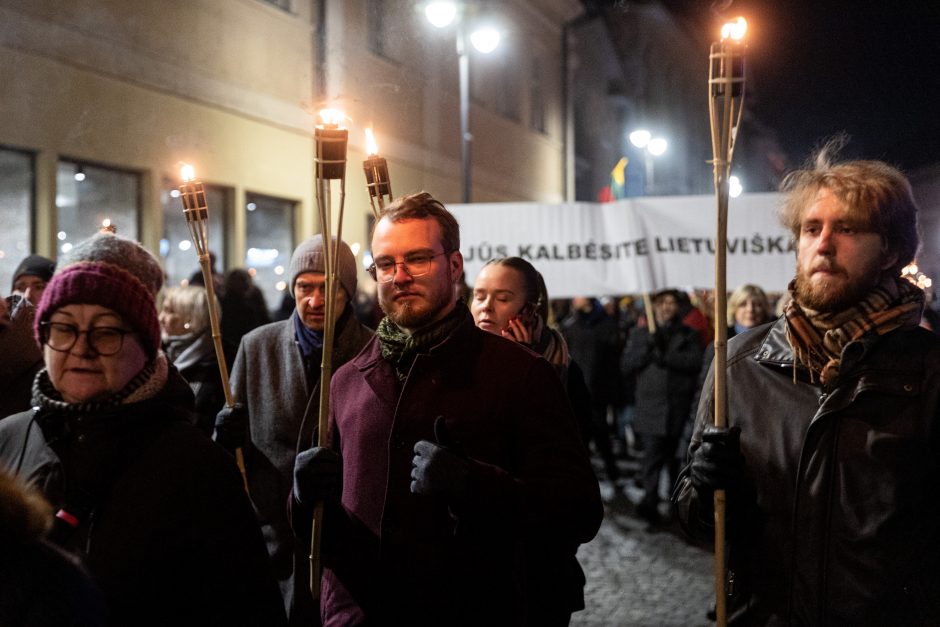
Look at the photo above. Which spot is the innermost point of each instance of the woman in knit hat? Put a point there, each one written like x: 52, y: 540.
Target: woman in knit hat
x: 156, y: 511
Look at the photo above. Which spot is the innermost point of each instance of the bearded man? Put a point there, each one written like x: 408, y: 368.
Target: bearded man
x: 451, y: 447
x: 831, y: 459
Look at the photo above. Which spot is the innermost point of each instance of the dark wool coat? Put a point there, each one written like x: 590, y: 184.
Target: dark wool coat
x: 270, y: 379
x: 666, y: 365
x: 166, y: 530
x: 837, y: 516
x: 394, y: 557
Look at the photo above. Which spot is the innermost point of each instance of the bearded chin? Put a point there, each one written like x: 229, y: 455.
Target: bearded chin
x: 829, y: 296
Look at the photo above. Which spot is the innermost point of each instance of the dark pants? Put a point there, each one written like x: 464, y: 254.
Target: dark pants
x: 659, y: 451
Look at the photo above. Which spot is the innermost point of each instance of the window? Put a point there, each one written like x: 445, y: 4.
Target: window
x: 536, y: 96
x: 386, y: 29
x: 281, y: 4
x: 16, y: 211
x: 269, y: 244
x: 176, y: 244
x: 89, y: 195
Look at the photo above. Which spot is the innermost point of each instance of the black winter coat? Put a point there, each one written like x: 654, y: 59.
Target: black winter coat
x: 165, y: 529
x: 666, y: 365
x: 837, y: 519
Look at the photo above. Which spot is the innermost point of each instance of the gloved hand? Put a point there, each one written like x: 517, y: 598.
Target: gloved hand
x: 717, y: 464
x: 231, y: 427
x: 318, y: 475
x: 438, y: 470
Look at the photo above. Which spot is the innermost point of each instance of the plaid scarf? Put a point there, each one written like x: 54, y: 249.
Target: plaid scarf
x: 818, y: 338
x: 400, y: 349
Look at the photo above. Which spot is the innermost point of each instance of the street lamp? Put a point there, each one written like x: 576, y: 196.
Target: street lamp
x: 651, y: 147
x: 485, y: 39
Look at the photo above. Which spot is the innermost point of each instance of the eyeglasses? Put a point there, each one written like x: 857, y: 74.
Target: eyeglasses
x: 415, y: 264
x: 60, y: 336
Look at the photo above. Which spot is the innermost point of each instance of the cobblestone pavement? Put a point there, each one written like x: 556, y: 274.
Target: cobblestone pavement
x: 638, y: 575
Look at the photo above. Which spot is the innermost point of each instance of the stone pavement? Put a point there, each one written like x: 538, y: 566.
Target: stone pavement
x: 643, y: 576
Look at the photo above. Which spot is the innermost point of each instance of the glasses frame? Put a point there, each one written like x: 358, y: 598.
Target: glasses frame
x: 373, y: 270
x: 44, y: 329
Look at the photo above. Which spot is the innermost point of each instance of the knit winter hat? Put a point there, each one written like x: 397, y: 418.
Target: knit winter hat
x: 308, y: 257
x: 34, y: 265
x: 113, y: 272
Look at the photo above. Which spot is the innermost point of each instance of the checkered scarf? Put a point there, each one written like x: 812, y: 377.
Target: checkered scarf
x: 818, y: 338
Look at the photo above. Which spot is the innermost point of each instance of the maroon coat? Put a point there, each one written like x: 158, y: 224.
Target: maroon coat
x: 394, y: 557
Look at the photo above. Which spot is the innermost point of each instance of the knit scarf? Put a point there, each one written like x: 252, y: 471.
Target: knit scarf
x: 145, y: 384
x: 552, y: 347
x: 310, y: 341
x: 400, y: 349
x: 818, y: 338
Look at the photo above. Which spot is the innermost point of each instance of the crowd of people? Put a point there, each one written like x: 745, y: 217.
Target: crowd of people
x: 455, y: 478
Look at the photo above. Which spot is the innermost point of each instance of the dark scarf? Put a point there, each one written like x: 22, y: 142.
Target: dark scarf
x: 145, y: 384
x: 400, y: 349
x: 310, y: 341
x: 818, y: 338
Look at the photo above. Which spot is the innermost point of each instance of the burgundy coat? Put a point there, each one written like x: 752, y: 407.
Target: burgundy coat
x: 393, y: 557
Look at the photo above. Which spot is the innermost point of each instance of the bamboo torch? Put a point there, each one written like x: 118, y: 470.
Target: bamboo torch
x: 196, y: 211
x: 377, y: 181
x: 726, y: 97
x: 331, y: 140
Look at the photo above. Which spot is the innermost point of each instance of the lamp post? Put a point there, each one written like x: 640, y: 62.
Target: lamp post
x: 485, y: 39
x: 651, y: 147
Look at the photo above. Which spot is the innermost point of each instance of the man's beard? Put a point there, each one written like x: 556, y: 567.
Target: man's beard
x: 415, y: 314
x: 835, y: 295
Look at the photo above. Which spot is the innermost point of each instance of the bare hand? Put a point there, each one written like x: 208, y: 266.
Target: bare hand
x: 517, y: 331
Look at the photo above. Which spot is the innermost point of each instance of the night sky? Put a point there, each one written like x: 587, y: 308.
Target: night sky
x: 869, y: 69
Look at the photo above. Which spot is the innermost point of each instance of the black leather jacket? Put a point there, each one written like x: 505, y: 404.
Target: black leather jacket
x: 838, y: 519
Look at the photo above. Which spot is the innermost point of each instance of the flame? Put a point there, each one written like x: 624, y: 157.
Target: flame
x: 106, y: 222
x: 371, y: 147
x: 734, y: 30
x: 333, y: 117
x: 187, y: 173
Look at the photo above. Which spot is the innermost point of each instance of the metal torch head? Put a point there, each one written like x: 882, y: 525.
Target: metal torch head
x: 726, y: 69
x: 331, y: 142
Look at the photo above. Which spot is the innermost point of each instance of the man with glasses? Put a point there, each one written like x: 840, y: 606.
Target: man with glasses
x: 450, y: 446
x: 276, y: 383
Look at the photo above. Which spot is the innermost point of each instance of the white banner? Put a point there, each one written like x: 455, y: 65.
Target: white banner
x: 630, y: 246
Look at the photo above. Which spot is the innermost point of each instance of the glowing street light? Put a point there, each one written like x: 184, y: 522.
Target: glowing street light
x: 651, y: 147
x: 485, y: 39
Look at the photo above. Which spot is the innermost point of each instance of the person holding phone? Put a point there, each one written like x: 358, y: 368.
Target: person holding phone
x: 510, y: 300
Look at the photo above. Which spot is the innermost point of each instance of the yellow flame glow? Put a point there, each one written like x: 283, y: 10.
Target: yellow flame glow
x: 371, y: 147
x: 734, y: 30
x: 334, y: 117
x: 187, y: 173
x: 106, y: 222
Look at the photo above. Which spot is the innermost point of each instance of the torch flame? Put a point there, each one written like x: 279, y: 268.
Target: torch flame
x: 333, y: 117
x: 734, y: 30
x: 187, y: 173
x: 106, y: 222
x: 371, y: 147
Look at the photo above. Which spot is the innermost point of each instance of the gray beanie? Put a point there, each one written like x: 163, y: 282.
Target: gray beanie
x: 308, y: 257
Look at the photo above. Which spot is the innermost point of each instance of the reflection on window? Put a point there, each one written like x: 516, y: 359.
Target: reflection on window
x: 176, y: 244
x: 385, y: 25
x: 269, y: 244
x: 87, y: 196
x: 16, y: 210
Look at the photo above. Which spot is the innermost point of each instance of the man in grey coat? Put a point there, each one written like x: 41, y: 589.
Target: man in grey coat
x: 276, y: 383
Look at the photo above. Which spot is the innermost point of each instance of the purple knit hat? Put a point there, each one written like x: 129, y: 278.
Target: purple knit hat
x: 113, y: 272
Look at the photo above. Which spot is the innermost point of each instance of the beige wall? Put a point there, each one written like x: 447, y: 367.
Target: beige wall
x: 228, y: 85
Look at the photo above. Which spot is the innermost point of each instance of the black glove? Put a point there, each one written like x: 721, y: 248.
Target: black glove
x: 318, y: 475
x: 717, y: 464
x: 439, y: 470
x: 231, y: 427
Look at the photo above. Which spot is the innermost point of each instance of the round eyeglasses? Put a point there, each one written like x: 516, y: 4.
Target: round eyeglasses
x: 61, y: 336
x: 415, y: 264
